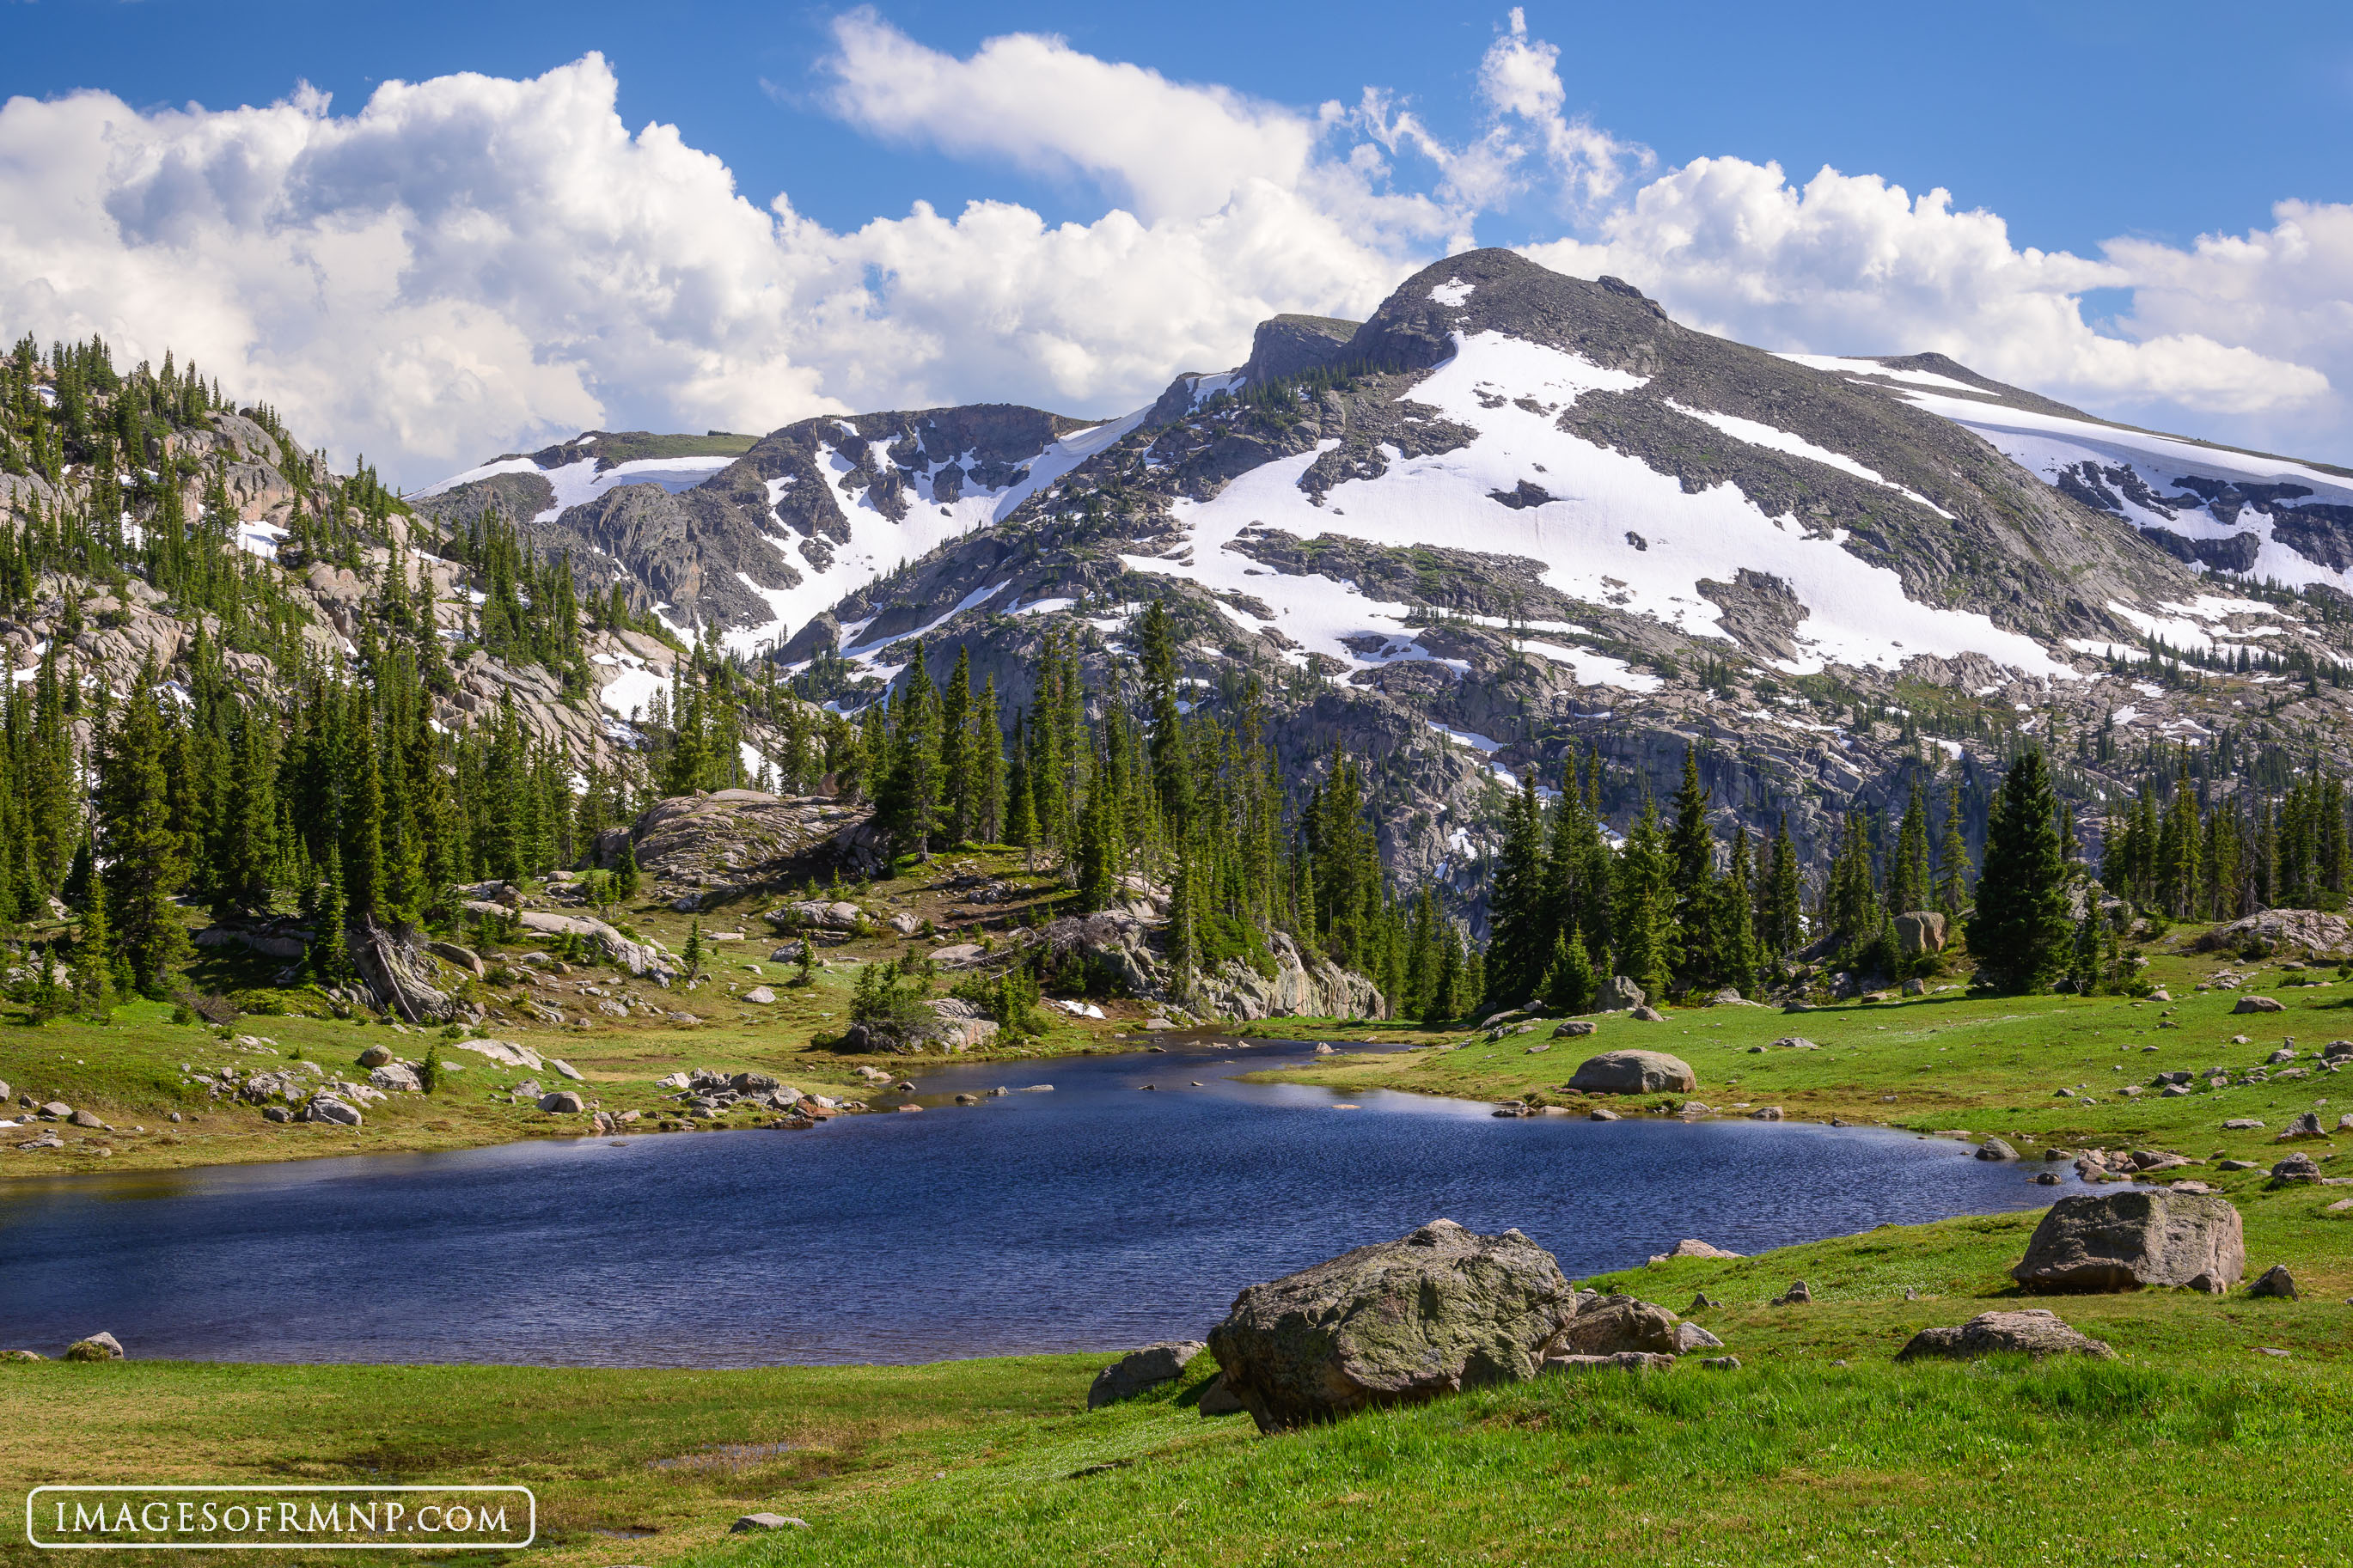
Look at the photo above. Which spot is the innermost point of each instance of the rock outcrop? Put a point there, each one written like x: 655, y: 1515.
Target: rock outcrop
x: 1139, y: 1370
x: 394, y: 963
x: 1634, y: 1072
x: 2038, y: 1333
x: 2122, y: 1241
x: 1394, y: 1324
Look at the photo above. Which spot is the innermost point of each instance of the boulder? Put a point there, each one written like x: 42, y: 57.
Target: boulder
x: 2306, y: 1125
x: 752, y: 1521
x: 97, y: 1347
x: 562, y: 1102
x: 2295, y: 1170
x: 1690, y: 1337
x: 397, y: 1077
x: 2122, y: 1241
x: 1796, y: 1043
x: 393, y: 962
x: 374, y: 1056
x: 1797, y: 1295
x: 1619, y: 994
x: 464, y: 958
x: 1687, y: 1248
x: 1399, y: 1323
x: 1138, y: 1370
x: 2276, y: 1281
x: 1634, y: 1072
x: 1647, y: 1015
x: 507, y: 1053
x: 2255, y: 1005
x: 1219, y: 1400
x: 1994, y: 1149
x: 1606, y: 1325
x: 1572, y: 1030
x: 326, y: 1107
x: 1920, y: 932
x: 760, y: 997
x: 2038, y: 1333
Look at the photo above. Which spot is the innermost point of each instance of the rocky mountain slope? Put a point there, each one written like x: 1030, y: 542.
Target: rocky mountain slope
x: 1516, y: 516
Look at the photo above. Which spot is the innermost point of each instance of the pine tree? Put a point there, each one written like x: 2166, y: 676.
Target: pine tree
x: 144, y: 864
x: 1735, y: 933
x: 91, y: 958
x: 1643, y: 940
x: 1908, y: 887
x: 1521, y: 945
x: 1952, y: 861
x: 1569, y: 985
x: 689, y: 957
x: 625, y: 875
x: 1445, y: 1001
x: 2019, y: 935
x: 959, y: 779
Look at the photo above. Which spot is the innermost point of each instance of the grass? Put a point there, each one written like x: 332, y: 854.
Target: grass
x: 2190, y: 1447
x: 1943, y: 1062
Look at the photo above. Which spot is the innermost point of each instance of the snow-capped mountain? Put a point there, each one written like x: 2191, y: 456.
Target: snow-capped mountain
x: 1511, y: 514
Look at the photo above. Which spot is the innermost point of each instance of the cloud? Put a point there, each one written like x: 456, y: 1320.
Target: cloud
x: 472, y: 264
x: 1851, y: 263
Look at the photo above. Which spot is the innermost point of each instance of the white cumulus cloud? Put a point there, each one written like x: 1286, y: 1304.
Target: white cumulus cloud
x: 471, y: 264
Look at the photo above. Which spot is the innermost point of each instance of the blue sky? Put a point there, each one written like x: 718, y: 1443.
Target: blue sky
x: 2075, y: 122
x: 2078, y: 126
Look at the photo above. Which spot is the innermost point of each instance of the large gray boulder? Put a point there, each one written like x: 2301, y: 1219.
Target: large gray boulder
x: 2122, y: 1241
x: 2038, y: 1333
x: 1394, y: 1323
x: 1607, y: 1325
x: 1634, y: 1072
x: 393, y: 961
x: 1619, y: 994
x: 1920, y: 932
x: 1138, y: 1370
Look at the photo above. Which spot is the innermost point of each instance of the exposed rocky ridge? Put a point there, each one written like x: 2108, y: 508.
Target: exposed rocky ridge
x: 1486, y: 646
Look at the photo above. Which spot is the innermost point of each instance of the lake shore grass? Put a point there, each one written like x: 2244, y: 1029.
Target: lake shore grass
x: 2192, y: 1446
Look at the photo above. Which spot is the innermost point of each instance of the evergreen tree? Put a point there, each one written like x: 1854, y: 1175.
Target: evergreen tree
x: 91, y: 958
x: 625, y: 875
x: 1445, y: 1001
x: 2019, y: 935
x: 689, y: 957
x: 1735, y: 933
x: 1569, y: 983
x: 1908, y: 887
x: 1952, y: 861
x: 1516, y: 911
x: 143, y: 857
x: 1645, y: 936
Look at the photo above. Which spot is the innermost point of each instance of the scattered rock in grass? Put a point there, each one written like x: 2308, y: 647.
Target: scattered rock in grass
x: 1398, y: 1322
x: 2122, y: 1241
x: 1634, y: 1072
x: 2160, y: 995
x: 1572, y: 1030
x: 2037, y: 1332
x: 760, y: 997
x: 752, y: 1521
x: 1138, y: 1370
x: 1687, y: 1248
x: 1217, y: 1399
x: 1996, y: 1148
x: 2242, y: 1124
x: 2276, y: 1281
x: 22, y: 1355
x: 2272, y: 1351
x: 1647, y: 1015
x: 1766, y: 1113
x: 374, y: 1056
x: 1533, y: 1050
x: 1619, y: 994
x: 1797, y: 1295
x: 1722, y: 1363
x: 97, y: 1347
x: 1690, y: 1337
x: 2306, y: 1125
x: 562, y: 1102
x: 56, y: 1110
x: 1605, y: 1325
x: 1796, y: 1043
x: 2236, y: 1165
x: 2255, y: 1005
x: 2293, y: 1169
x: 1700, y: 1302
x: 397, y: 1077
x: 276, y: 1113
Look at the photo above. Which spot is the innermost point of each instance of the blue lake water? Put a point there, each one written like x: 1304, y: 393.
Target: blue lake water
x: 1094, y: 1217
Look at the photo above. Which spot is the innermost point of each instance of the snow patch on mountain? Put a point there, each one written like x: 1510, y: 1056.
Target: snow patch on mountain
x: 1614, y: 531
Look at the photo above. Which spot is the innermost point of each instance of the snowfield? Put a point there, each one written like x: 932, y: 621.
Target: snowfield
x: 1615, y: 532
